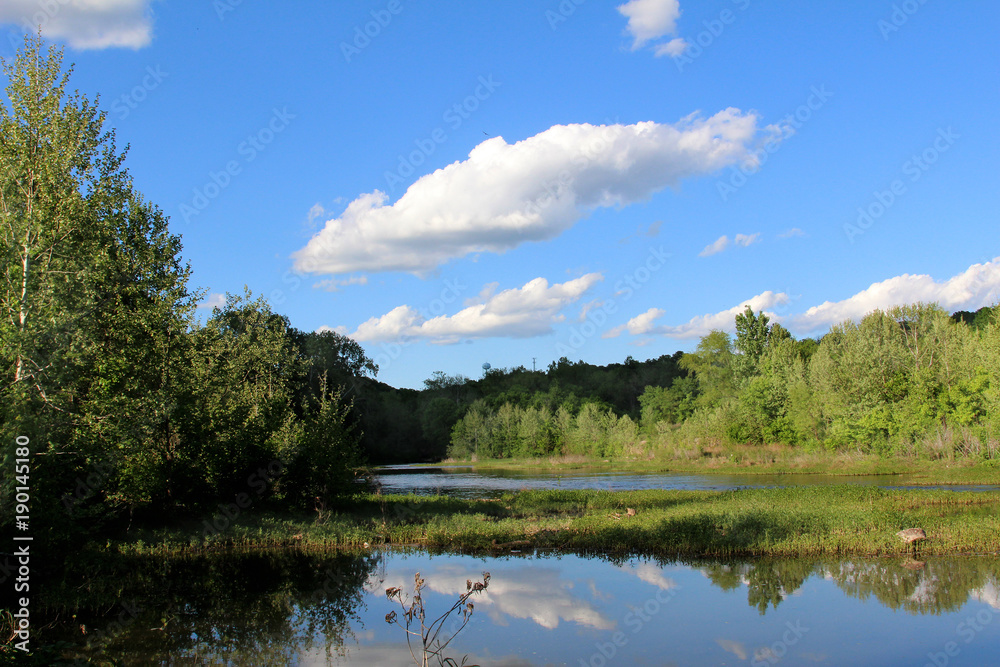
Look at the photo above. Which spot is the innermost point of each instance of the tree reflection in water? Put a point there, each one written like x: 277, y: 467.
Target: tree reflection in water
x: 260, y: 608
x: 933, y: 587
x: 272, y: 608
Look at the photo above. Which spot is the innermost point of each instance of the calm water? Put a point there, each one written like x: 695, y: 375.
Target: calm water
x: 465, y: 482
x: 286, y: 608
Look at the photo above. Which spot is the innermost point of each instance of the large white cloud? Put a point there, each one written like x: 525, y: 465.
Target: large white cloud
x: 651, y: 19
x: 506, y: 194
x: 514, y: 313
x: 84, y: 24
x: 977, y: 286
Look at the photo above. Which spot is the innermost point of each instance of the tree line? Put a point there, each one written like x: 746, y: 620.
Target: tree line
x: 130, y: 406
x: 910, y: 380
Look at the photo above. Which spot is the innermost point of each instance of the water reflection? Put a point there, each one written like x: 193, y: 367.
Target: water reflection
x: 290, y: 608
x: 466, y: 482
x: 236, y: 608
x: 536, y: 592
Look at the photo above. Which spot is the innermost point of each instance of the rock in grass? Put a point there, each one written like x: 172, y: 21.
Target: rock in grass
x: 911, y: 535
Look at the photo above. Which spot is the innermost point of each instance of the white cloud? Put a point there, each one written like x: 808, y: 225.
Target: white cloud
x: 315, y: 213
x: 342, y: 330
x: 700, y: 326
x: 977, y: 286
x: 537, y: 593
x: 791, y: 233
x: 587, y: 307
x: 651, y: 231
x: 213, y: 301
x: 84, y: 24
x: 723, y: 242
x: 650, y: 19
x: 504, y: 194
x: 675, y: 47
x: 638, y: 325
x: 334, y: 285
x: 484, y: 295
x: 715, y: 247
x: 651, y: 574
x: 738, y: 649
x: 514, y: 313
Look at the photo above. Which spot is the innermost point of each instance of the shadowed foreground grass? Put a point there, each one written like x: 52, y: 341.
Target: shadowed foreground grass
x: 840, y: 520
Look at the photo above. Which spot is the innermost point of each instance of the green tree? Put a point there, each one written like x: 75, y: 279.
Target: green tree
x: 240, y: 406
x: 752, y: 335
x: 712, y: 365
x: 93, y: 301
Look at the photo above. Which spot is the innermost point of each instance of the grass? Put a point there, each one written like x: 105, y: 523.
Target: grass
x: 774, y: 460
x: 798, y: 521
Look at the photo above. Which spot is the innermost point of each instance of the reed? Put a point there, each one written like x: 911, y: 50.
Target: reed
x: 796, y: 521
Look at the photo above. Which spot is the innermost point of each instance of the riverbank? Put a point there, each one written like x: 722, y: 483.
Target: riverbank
x: 773, y: 461
x: 800, y: 521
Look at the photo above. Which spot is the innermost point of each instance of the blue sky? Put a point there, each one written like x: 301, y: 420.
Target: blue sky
x: 454, y: 183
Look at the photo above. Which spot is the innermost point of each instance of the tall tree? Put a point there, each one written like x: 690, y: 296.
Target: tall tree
x: 93, y: 297
x: 752, y: 334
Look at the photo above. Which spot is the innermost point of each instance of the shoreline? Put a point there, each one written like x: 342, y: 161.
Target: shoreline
x: 960, y: 472
x: 785, y: 522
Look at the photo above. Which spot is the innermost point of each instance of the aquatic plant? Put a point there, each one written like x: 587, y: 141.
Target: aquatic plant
x: 432, y: 641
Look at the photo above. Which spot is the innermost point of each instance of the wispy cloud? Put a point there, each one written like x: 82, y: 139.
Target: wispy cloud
x: 522, y: 312
x: 504, y: 194
x: 651, y: 231
x: 791, y: 233
x: 723, y: 242
x: 84, y: 24
x: 335, y: 284
x: 715, y: 247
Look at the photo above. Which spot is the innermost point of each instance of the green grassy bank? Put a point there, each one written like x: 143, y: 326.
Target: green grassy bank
x: 765, y: 461
x: 814, y: 520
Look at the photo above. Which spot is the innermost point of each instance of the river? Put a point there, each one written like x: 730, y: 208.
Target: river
x: 467, y: 482
x: 292, y: 608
